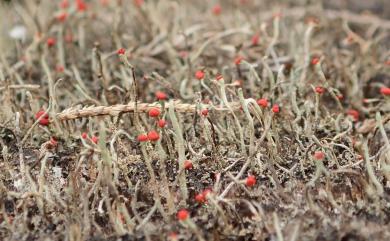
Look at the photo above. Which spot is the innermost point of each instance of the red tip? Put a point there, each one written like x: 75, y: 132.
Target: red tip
x: 354, y: 113
x: 275, y: 108
x: 250, y: 181
x: 205, y: 112
x: 154, y: 112
x: 319, y: 155
x: 319, y: 90
x: 238, y: 60
x: 51, y: 41
x: 138, y: 3
x: 94, y: 139
x: 217, y: 9
x: 121, y: 51
x: 45, y: 119
x: 315, y: 60
x: 60, y: 68
x: 161, y: 95
x: 84, y: 135
x: 53, y: 141
x: 187, y: 164
x: 200, y: 198
x: 183, y: 215
x: 64, y: 4
x: 255, y: 39
x: 153, y: 136
x: 81, y: 6
x: 62, y: 16
x: 142, y: 138
x: 385, y: 91
x: 262, y: 102
x: 161, y: 123
x: 199, y: 74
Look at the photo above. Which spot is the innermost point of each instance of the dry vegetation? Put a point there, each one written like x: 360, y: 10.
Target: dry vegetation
x: 194, y: 120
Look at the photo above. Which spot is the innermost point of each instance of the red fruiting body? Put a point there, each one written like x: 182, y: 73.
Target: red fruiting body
x: 104, y: 2
x: 385, y: 91
x: 183, y: 215
x: 40, y: 113
x: 142, y: 138
x: 173, y: 236
x: 44, y: 122
x: 262, y: 102
x: 138, y: 3
x: 238, y: 60
x: 94, y: 139
x: 161, y: 123
x: 183, y: 54
x: 84, y: 135
x: 187, y: 164
x: 312, y: 20
x: 354, y: 113
x: 161, y: 95
x: 154, y: 112
x: 340, y: 97
x: 64, y: 4
x: 60, y: 68
x: 68, y: 38
x: 319, y: 90
x: 45, y: 119
x: 387, y: 62
x: 51, y: 41
x: 250, y: 181
x: 53, y: 141
x: 217, y: 9
x: 62, y: 16
x: 315, y: 60
x: 255, y: 39
x: 153, y: 136
x: 81, y: 5
x: 199, y: 74
x: 219, y: 77
x: 350, y: 39
x: 200, y: 198
x: 237, y: 83
x: 205, y: 112
x: 121, y: 51
x: 319, y: 155
x: 277, y: 15
x: 275, y: 108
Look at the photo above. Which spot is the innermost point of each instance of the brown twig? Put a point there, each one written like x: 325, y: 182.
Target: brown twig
x: 114, y: 110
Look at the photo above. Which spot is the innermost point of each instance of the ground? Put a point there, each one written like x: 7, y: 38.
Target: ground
x: 195, y: 120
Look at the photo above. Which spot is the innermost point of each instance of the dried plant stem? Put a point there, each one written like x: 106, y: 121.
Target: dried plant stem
x: 114, y: 110
x: 24, y: 86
